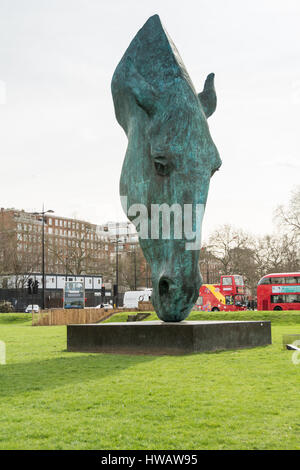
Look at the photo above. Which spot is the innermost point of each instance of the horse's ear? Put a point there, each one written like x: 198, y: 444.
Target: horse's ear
x: 129, y: 90
x: 208, y: 97
x: 144, y: 94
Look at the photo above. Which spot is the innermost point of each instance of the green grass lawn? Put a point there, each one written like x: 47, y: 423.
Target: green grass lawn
x: 52, y: 399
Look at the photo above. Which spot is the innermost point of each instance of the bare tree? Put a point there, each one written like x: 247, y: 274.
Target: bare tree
x: 289, y: 216
x: 75, y: 256
x: 227, y: 244
x: 133, y: 268
x: 276, y: 254
x: 210, y: 266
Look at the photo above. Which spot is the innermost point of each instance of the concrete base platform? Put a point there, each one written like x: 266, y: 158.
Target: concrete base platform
x: 158, y: 338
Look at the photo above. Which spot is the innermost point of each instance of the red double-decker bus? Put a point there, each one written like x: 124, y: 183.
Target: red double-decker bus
x: 279, y: 291
x: 228, y: 296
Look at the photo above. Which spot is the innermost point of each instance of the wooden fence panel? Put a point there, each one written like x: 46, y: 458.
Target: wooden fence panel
x: 60, y: 316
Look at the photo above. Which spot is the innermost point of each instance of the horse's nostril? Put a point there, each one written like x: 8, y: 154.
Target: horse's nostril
x: 163, y: 287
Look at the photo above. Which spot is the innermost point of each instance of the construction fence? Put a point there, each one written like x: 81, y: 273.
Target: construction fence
x: 72, y: 316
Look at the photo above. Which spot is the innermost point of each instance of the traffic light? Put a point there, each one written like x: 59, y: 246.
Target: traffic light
x: 115, y: 290
x: 35, y: 287
x: 103, y: 291
x: 29, y: 286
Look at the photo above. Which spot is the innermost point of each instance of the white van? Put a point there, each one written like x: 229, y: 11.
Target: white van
x: 132, y: 298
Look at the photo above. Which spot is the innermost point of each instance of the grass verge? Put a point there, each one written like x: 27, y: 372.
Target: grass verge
x: 52, y: 399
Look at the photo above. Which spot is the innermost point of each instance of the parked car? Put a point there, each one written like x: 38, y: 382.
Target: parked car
x: 32, y: 308
x: 104, y: 306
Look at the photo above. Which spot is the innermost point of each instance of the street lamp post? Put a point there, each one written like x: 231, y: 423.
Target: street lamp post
x: 117, y: 272
x: 117, y: 241
x: 42, y: 214
x: 133, y: 252
x: 134, y: 268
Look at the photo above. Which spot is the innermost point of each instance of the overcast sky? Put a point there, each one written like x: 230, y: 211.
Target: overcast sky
x: 59, y: 139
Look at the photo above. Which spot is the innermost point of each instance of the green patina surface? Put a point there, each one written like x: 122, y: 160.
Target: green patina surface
x: 170, y: 158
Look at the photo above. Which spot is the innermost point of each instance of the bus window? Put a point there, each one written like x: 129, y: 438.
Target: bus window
x: 285, y: 299
x: 239, y: 300
x: 227, y: 281
x: 266, y: 280
x: 291, y: 280
x: 276, y: 299
x: 239, y: 280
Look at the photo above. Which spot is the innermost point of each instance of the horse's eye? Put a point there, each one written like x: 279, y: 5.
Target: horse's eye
x: 162, y: 165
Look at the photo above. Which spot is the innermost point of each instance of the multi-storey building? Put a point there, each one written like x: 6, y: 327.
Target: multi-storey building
x: 120, y: 237
x: 129, y: 267
x: 70, y: 246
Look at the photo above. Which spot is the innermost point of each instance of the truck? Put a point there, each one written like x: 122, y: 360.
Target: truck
x: 228, y: 295
x: 132, y: 298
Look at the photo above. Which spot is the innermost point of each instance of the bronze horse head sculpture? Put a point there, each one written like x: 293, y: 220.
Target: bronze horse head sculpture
x: 169, y: 161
